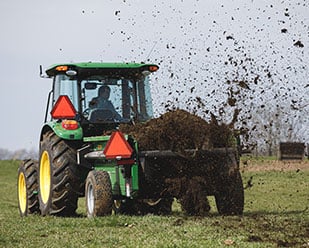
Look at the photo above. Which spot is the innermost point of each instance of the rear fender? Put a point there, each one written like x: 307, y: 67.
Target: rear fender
x: 57, y: 128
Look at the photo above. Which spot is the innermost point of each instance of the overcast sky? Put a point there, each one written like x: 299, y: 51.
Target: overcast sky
x: 189, y: 39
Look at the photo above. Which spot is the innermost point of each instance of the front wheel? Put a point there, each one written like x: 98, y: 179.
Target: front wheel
x: 27, y: 188
x: 99, y: 198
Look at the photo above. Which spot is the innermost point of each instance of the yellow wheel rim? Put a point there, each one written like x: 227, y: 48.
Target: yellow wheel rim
x: 22, y: 192
x: 45, y: 180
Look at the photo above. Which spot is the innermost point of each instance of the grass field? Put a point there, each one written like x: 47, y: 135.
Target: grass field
x: 276, y: 215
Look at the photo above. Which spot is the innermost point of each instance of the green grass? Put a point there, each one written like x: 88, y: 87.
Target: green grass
x: 276, y: 215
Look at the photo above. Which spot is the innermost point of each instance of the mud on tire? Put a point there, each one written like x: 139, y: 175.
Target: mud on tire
x: 27, y: 187
x: 59, y: 176
x: 99, y: 198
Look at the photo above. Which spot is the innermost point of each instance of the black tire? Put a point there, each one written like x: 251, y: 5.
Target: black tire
x: 230, y: 198
x: 98, y: 192
x: 59, y: 176
x: 27, y: 187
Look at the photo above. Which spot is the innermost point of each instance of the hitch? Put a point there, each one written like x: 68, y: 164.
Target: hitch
x: 126, y: 165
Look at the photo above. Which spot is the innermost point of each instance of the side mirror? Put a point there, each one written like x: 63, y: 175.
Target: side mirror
x: 42, y: 75
x: 90, y: 86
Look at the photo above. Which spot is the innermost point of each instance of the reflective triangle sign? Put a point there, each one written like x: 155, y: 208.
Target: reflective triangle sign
x: 117, y: 146
x: 63, y: 108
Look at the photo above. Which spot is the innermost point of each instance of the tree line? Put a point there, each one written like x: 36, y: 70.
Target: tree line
x: 20, y: 154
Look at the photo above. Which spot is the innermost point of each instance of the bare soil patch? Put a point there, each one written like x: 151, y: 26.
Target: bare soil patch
x: 274, y: 165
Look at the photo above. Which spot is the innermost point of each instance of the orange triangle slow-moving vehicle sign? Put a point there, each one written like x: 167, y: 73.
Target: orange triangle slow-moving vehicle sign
x: 63, y: 108
x: 117, y: 146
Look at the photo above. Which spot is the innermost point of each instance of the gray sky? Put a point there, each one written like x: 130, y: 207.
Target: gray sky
x: 189, y: 39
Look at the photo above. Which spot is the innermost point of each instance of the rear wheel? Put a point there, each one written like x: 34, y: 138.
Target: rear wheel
x: 59, y: 176
x: 230, y: 198
x: 27, y: 188
x: 99, y: 198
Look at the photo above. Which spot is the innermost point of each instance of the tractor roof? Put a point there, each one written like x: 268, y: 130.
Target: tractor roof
x: 88, y: 67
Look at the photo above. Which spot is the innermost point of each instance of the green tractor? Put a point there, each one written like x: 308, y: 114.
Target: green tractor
x: 83, y: 153
x: 87, y: 103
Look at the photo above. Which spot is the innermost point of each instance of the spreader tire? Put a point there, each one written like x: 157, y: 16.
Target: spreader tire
x: 99, y: 198
x: 27, y: 188
x: 230, y: 198
x: 59, y: 176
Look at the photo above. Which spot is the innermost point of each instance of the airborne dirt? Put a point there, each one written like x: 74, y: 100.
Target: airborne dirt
x: 191, y: 174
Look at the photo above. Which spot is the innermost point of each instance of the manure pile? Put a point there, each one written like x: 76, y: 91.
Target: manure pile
x: 188, y: 176
x: 179, y: 130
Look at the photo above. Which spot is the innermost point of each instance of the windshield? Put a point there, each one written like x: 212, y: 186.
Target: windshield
x: 120, y: 99
x: 107, y: 99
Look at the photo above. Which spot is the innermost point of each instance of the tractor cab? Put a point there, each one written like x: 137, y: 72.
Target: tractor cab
x: 100, y: 93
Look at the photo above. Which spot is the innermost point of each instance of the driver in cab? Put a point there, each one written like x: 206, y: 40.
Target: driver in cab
x: 102, y: 102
